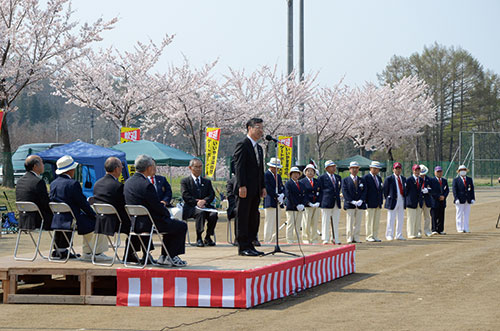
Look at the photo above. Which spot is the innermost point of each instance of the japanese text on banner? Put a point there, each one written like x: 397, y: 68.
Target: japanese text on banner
x: 129, y: 134
x: 211, y: 150
x: 285, y: 144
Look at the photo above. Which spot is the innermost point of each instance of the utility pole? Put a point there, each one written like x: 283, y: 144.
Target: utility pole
x: 290, y: 36
x: 92, y: 126
x: 301, y: 140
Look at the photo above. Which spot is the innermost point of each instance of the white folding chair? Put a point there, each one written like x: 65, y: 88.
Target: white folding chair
x: 135, y: 211
x: 104, y: 209
x: 25, y: 207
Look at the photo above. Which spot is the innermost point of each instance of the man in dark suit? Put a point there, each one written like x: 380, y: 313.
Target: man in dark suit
x: 138, y: 190
x: 162, y: 187
x: 65, y: 189
x: 425, y: 184
x: 249, y: 169
x: 374, y: 201
x: 329, y: 201
x: 414, y: 202
x: 354, y: 191
x: 395, y: 203
x: 463, y: 194
x: 198, y: 194
x: 311, y: 203
x: 440, y: 191
x: 272, y: 199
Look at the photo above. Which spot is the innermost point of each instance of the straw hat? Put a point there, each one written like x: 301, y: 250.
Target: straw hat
x: 353, y: 164
x: 375, y: 164
x: 65, y: 164
x: 295, y: 169
x: 274, y: 163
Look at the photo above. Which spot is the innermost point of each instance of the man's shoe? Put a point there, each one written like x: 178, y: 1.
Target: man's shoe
x: 209, y: 242
x: 87, y: 257
x: 178, y: 262
x: 164, y: 261
x: 412, y: 237
x: 389, y: 238
x: 62, y: 255
x: 256, y: 242
x: 248, y: 252
x: 101, y: 257
x: 199, y: 243
x: 442, y: 233
x: 258, y: 252
x: 325, y: 242
x: 372, y: 240
x: 132, y: 258
x: 151, y: 261
x: 377, y: 240
x: 434, y: 233
x: 401, y: 238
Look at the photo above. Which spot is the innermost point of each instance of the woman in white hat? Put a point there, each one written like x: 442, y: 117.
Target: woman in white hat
x: 428, y: 201
x: 272, y: 201
x: 294, y: 192
x: 463, y: 193
x: 311, y: 203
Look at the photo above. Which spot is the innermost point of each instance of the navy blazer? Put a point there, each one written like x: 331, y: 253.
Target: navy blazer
x: 428, y: 200
x: 249, y: 171
x: 32, y: 188
x: 414, y: 196
x: 294, y: 195
x: 351, y: 192
x: 461, y: 192
x: 190, y: 194
x: 329, y: 194
x: 67, y: 190
x: 163, y: 189
x: 374, y: 194
x: 439, y: 190
x: 391, y: 192
x: 270, y: 181
x: 311, y: 194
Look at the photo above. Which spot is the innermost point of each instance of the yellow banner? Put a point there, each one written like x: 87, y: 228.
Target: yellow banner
x: 129, y: 134
x: 285, y: 146
x: 211, y: 150
x: 131, y: 172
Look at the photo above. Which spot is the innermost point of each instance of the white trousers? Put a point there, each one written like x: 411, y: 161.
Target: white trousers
x: 293, y: 220
x: 330, y: 215
x: 426, y: 215
x: 372, y: 223
x: 310, y: 225
x: 353, y: 224
x: 270, y: 223
x: 414, y: 216
x: 397, y: 216
x: 88, y: 241
x: 463, y: 213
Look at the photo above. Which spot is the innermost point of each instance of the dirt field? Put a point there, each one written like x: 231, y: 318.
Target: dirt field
x: 449, y: 282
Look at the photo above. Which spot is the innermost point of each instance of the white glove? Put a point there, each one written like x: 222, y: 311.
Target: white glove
x: 281, y: 198
x: 354, y: 202
x: 309, y: 204
x: 472, y: 202
x: 457, y: 202
x: 425, y: 190
x: 316, y: 205
x: 300, y: 207
x: 359, y: 203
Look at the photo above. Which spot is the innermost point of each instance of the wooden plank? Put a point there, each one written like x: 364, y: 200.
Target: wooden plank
x: 100, y: 300
x: 83, y: 284
x: 12, y: 284
x: 6, y: 288
x: 4, y: 274
x: 88, y: 280
x: 47, y: 298
x: 46, y: 271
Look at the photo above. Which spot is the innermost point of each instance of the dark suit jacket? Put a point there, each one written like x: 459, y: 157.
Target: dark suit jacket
x: 428, y: 200
x: 461, y: 192
x: 270, y: 199
x: 374, y: 195
x: 190, y: 193
x: 163, y: 189
x: 438, y: 190
x: 109, y: 190
x: 351, y: 192
x: 231, y: 189
x: 391, y: 191
x: 329, y: 195
x: 67, y: 190
x: 414, y: 197
x: 138, y: 190
x: 33, y: 189
x: 294, y: 195
x: 249, y: 171
x: 311, y: 194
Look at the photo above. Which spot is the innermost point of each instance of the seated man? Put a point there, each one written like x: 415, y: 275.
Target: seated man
x: 198, y: 193
x: 65, y: 189
x: 162, y: 187
x: 138, y: 190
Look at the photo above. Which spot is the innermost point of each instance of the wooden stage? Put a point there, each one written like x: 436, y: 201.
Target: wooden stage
x: 242, y: 281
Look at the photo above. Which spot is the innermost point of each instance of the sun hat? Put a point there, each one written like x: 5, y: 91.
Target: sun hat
x: 275, y: 163
x: 375, y: 164
x: 353, y: 164
x: 295, y: 169
x: 65, y: 164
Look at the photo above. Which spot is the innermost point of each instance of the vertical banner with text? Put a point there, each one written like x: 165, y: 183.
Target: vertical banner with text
x: 129, y: 134
x: 285, y: 144
x: 211, y: 150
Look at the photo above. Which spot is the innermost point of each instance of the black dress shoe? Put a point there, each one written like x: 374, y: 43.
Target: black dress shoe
x: 256, y: 242
x: 151, y: 261
x: 209, y: 242
x: 199, y: 243
x: 248, y: 252
x: 258, y: 252
x: 133, y: 258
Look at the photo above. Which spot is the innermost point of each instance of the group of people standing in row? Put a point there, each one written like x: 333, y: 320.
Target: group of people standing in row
x: 310, y: 199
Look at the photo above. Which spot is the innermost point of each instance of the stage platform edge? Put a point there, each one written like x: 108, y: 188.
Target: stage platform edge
x: 232, y: 288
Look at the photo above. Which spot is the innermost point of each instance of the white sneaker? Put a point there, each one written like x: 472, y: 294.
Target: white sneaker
x: 101, y: 257
x: 325, y: 242
x: 428, y: 234
x: 434, y: 233
x: 86, y: 257
x: 371, y: 240
x: 178, y: 262
x: 389, y: 238
x: 165, y: 261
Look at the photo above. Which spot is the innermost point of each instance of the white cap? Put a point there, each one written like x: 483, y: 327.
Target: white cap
x: 65, y: 164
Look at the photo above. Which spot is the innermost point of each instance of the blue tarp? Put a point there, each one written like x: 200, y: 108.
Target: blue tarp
x: 91, y: 157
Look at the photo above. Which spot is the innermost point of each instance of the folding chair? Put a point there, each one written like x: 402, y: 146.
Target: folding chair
x: 62, y: 208
x: 498, y: 221
x: 29, y: 207
x: 134, y: 211
x: 103, y: 209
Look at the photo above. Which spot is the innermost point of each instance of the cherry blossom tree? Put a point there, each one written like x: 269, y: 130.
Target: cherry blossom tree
x: 36, y: 41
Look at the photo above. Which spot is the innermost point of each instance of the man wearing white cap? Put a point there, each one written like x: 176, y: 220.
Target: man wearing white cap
x: 354, y: 191
x: 394, y: 194
x: 65, y: 189
x: 428, y: 201
x: 294, y: 192
x: 272, y: 200
x: 463, y: 193
x: 374, y: 201
x: 311, y: 213
x: 329, y: 199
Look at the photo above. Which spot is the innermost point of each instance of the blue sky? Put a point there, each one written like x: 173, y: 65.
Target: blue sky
x: 354, y: 39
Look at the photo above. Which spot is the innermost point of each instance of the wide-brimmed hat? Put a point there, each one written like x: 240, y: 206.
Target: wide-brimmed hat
x: 295, y: 169
x: 310, y: 166
x: 353, y: 164
x: 65, y: 164
x: 375, y: 164
x: 423, y: 169
x: 462, y: 167
x: 275, y: 163
x: 329, y: 163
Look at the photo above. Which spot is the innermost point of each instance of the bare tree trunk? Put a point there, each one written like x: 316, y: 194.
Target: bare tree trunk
x: 8, y: 170
x: 452, y: 125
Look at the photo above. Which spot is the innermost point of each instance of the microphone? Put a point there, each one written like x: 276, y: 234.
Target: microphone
x: 270, y: 138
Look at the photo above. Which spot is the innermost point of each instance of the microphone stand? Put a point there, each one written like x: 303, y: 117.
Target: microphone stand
x: 277, y: 248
